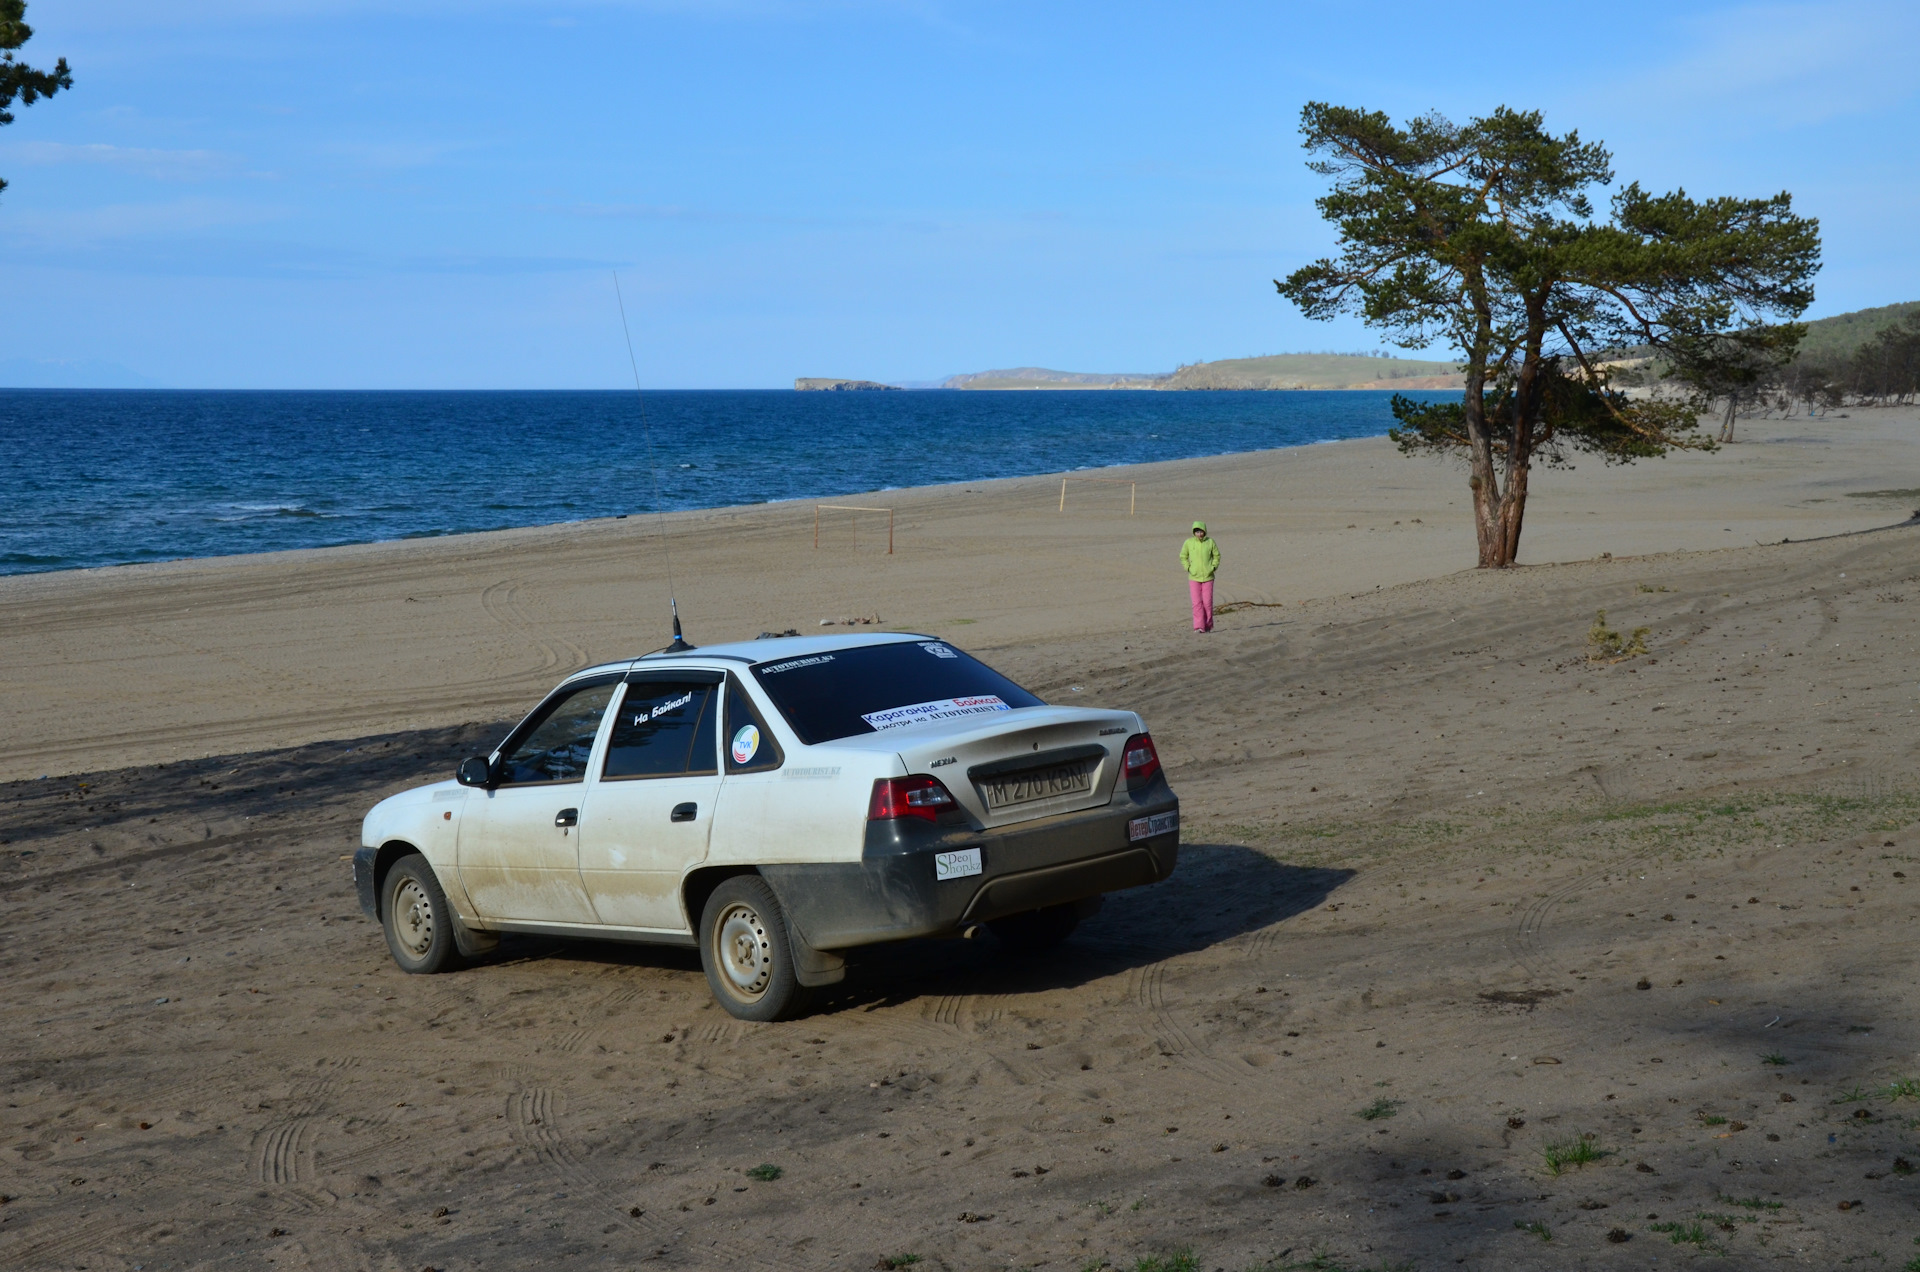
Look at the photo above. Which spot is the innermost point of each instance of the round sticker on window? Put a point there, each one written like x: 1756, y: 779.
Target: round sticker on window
x: 746, y: 744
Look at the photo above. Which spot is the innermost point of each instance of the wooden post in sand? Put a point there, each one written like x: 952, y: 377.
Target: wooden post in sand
x: 856, y: 523
x: 1133, y: 489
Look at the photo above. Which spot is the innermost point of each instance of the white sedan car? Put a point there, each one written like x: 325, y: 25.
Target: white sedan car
x: 774, y: 803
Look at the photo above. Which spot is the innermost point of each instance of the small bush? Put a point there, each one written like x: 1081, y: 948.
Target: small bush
x: 1774, y: 1058
x: 1537, y: 1228
x: 892, y: 1262
x: 765, y: 1172
x: 1382, y: 1107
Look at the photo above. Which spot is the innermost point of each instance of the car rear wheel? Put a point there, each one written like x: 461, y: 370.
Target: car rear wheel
x: 1036, y: 930
x: 746, y: 952
x: 417, y: 918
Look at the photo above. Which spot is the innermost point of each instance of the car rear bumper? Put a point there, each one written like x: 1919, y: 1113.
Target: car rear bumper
x: 892, y: 892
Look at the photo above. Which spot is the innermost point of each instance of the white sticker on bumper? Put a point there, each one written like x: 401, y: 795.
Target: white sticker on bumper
x: 956, y: 865
x: 1148, y: 827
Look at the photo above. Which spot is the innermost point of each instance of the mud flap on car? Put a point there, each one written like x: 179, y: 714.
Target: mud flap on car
x: 813, y: 967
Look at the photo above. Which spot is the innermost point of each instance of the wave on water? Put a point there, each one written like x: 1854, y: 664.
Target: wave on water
x: 106, y: 477
x: 256, y: 512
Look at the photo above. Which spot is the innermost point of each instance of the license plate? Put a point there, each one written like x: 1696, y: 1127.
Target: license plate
x: 1035, y: 784
x: 956, y: 865
x: 1148, y: 827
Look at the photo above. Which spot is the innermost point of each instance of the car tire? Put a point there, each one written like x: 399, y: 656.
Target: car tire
x: 746, y: 953
x: 417, y: 919
x: 1036, y: 930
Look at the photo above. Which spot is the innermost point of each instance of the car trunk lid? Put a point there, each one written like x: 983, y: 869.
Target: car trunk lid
x: 1058, y: 760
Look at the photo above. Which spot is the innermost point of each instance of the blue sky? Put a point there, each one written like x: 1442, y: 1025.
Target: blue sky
x: 243, y: 193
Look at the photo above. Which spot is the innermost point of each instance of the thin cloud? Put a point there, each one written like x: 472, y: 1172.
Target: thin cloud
x: 114, y: 222
x: 164, y: 165
x: 1787, y: 64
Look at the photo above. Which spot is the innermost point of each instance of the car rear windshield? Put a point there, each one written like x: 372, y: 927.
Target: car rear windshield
x: 871, y: 688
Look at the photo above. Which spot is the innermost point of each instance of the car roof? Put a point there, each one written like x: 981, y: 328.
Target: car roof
x: 771, y: 649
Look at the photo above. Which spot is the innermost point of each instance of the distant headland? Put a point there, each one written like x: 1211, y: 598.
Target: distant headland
x: 819, y: 384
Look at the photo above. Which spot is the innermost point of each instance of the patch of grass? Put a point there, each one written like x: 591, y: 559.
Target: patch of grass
x: 1684, y: 1234
x: 1854, y: 1095
x: 1774, y: 1058
x: 1537, y: 1228
x: 891, y: 1262
x: 1725, y: 1221
x: 1912, y: 1265
x: 765, y: 1172
x: 1604, y: 645
x: 1579, y: 1152
x: 1648, y: 587
x: 1902, y: 1089
x: 1712, y: 1119
x: 1382, y: 1107
x: 1183, y: 1261
x: 1755, y: 1202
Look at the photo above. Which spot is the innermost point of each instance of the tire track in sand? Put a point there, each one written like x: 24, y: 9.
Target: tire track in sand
x: 534, y: 1121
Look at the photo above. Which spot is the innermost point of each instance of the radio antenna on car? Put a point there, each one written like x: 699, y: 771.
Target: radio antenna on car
x: 679, y: 645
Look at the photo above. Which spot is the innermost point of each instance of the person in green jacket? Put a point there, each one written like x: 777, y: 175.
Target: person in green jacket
x: 1200, y: 555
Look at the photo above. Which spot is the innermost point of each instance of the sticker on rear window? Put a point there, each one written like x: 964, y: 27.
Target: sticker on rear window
x: 939, y: 651
x: 791, y: 663
x: 943, y: 709
x: 746, y: 743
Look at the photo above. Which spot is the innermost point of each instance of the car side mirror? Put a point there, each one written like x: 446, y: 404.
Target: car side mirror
x: 474, y: 772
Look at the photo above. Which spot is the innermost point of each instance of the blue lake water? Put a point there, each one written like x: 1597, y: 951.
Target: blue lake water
x: 109, y: 477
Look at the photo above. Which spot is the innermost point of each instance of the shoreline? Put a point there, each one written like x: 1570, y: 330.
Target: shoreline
x: 194, y: 486
x: 728, y: 511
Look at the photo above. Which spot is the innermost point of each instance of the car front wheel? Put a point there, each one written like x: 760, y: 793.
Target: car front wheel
x: 746, y: 953
x: 417, y: 918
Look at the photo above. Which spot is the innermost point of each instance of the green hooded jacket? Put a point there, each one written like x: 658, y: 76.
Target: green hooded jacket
x: 1201, y: 557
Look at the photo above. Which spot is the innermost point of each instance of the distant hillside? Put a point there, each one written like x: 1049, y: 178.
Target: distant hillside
x: 1280, y: 371
x: 1042, y: 378
x: 1837, y: 338
x: 1317, y: 371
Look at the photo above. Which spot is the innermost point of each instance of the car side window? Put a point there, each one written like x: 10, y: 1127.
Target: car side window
x: 663, y: 729
x: 750, y: 747
x: 558, y: 746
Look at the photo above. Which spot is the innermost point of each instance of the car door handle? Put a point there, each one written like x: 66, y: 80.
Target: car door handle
x: 684, y: 812
x: 567, y: 817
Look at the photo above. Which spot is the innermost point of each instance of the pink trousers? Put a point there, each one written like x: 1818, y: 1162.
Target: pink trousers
x: 1202, y: 605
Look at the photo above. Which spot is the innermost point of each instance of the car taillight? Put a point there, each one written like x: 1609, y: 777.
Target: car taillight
x: 1139, y: 761
x: 922, y: 797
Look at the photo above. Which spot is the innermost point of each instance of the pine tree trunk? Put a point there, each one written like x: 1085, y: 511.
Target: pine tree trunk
x: 1498, y: 511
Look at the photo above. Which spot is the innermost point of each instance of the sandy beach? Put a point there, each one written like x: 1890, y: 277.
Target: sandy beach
x: 1454, y: 900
